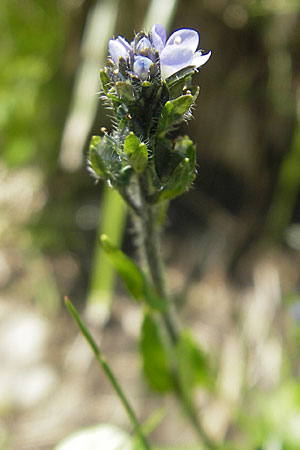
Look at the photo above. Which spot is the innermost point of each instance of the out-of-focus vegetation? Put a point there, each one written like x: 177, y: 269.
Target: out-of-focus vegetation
x: 244, y: 207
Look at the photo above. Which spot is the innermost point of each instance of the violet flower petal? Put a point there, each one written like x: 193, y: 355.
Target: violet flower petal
x: 159, y: 36
x: 143, y: 44
x: 199, y: 59
x: 117, y: 50
x: 124, y: 43
x: 184, y: 38
x: 141, y: 66
x: 172, y: 56
x: 172, y: 61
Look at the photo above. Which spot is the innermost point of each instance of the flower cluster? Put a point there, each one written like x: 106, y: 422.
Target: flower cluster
x: 147, y: 85
x: 148, y: 51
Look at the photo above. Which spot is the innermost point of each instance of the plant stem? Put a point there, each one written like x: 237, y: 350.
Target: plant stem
x: 151, y: 253
x: 103, y: 363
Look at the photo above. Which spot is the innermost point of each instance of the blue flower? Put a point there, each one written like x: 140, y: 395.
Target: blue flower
x: 174, y: 54
x: 119, y: 48
x: 179, y: 51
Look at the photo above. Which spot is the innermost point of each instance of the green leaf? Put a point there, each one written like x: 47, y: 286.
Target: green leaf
x: 134, y: 279
x: 127, y: 269
x: 137, y: 152
x: 166, y: 119
x: 125, y: 91
x: 105, y: 81
x: 173, y: 112
x: 179, y: 76
x: 95, y: 159
x: 131, y: 143
x: 152, y: 298
x: 185, y: 146
x: 193, y: 365
x: 179, y: 181
x: 182, y: 104
x: 155, y: 358
x: 139, y: 159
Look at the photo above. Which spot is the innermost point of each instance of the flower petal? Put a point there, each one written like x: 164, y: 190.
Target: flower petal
x: 143, y: 44
x: 159, y: 36
x: 141, y: 66
x: 199, y: 59
x: 117, y: 50
x: 124, y: 43
x: 172, y: 61
x: 174, y: 56
x: 185, y: 38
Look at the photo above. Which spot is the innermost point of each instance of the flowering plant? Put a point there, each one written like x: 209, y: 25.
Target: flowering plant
x: 148, y: 86
x: 174, y: 54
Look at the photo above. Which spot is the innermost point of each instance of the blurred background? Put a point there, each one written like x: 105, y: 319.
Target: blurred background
x: 231, y: 244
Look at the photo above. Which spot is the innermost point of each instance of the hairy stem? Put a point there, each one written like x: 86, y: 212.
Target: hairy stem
x: 149, y: 240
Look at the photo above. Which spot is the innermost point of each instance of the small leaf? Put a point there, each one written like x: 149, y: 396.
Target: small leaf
x: 180, y: 75
x: 105, y: 81
x: 131, y: 143
x: 127, y: 269
x: 193, y: 365
x: 166, y: 119
x: 173, y: 112
x: 185, y: 146
x: 139, y: 159
x: 190, y: 354
x: 134, y: 279
x: 182, y: 105
x: 95, y: 159
x: 178, y: 183
x: 125, y: 91
x: 155, y: 357
x: 137, y: 152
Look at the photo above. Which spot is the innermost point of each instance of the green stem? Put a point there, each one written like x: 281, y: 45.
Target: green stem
x: 149, y: 235
x: 102, y: 362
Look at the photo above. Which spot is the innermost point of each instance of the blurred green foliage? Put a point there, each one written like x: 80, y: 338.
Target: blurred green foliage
x: 33, y: 35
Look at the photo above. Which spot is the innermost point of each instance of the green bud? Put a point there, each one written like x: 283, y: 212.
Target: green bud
x: 137, y: 152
